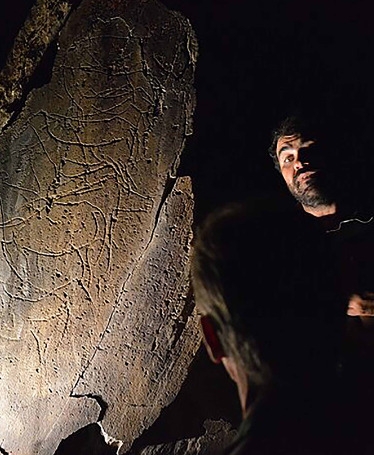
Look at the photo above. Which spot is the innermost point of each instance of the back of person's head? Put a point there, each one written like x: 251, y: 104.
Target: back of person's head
x: 265, y: 277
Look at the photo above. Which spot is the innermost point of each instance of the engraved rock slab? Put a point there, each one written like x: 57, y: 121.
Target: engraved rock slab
x: 96, y: 318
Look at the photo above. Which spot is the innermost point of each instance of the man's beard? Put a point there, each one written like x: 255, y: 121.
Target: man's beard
x: 313, y: 192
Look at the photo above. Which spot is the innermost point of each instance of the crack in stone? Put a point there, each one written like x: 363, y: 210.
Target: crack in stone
x: 183, y: 318
x: 168, y: 188
x: 3, y: 451
x: 99, y: 400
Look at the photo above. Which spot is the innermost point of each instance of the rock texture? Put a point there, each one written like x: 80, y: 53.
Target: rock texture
x: 218, y: 435
x: 97, y: 322
x: 44, y: 22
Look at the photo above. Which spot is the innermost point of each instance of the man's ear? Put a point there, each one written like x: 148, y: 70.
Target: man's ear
x: 211, y: 340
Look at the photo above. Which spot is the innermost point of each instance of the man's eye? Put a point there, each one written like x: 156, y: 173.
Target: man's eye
x: 288, y: 159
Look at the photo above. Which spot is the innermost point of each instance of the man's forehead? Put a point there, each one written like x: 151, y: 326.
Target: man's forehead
x: 292, y: 139
x: 289, y: 138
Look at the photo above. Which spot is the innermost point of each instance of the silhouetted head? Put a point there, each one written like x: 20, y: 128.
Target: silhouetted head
x: 264, y: 281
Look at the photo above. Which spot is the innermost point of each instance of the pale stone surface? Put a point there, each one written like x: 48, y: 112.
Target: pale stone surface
x: 96, y: 319
x: 140, y: 373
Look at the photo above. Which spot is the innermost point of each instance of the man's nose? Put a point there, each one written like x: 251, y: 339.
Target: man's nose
x: 297, y: 165
x: 301, y: 159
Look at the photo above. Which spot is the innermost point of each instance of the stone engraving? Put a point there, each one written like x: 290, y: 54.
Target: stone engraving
x: 96, y: 320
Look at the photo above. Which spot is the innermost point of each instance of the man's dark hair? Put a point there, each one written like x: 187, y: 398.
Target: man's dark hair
x: 265, y: 278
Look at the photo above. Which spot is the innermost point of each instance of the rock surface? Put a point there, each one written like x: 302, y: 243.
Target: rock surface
x: 40, y: 29
x: 97, y: 322
x: 218, y: 435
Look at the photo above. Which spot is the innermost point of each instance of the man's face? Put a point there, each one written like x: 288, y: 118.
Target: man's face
x: 300, y: 166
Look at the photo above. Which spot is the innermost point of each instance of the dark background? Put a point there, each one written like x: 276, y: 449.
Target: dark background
x: 257, y: 60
